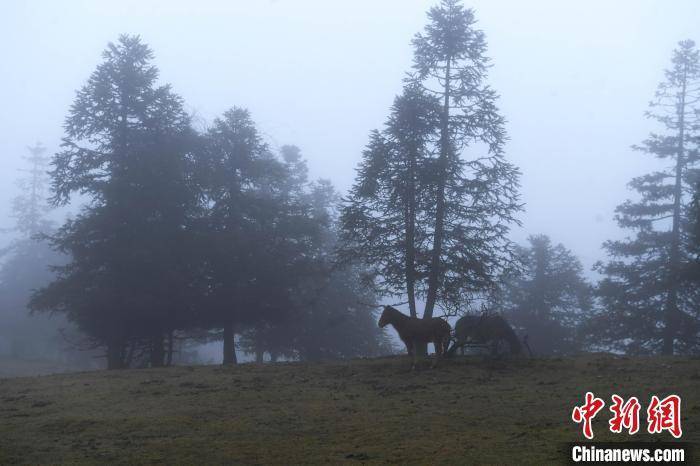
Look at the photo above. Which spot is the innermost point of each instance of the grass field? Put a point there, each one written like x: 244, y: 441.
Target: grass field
x: 14, y: 367
x: 470, y: 410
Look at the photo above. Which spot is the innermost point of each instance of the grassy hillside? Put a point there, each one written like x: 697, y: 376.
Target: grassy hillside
x: 14, y: 367
x: 362, y: 411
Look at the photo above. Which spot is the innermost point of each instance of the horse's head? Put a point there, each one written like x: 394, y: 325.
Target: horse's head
x: 385, y: 318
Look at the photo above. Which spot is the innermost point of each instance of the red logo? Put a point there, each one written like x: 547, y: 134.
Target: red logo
x: 625, y: 415
x: 661, y: 415
x: 587, y: 412
x: 665, y: 415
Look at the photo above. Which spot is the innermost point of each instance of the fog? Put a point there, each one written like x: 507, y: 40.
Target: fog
x: 574, y: 78
x: 319, y: 231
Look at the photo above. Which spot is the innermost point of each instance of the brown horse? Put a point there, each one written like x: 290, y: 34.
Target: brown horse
x: 483, y: 330
x: 414, y: 331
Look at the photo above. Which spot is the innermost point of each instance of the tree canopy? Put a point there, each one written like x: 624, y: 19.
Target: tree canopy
x: 434, y: 198
x: 649, y: 303
x: 547, y: 297
x: 183, y: 232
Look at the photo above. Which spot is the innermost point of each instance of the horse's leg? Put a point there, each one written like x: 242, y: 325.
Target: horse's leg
x: 439, y: 343
x: 415, y: 356
x: 409, y: 347
x: 445, y: 346
x: 438, y: 350
x: 411, y: 350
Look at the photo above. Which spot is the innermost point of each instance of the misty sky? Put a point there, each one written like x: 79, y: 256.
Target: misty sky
x: 574, y: 78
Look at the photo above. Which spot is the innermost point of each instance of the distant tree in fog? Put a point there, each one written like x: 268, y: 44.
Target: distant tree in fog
x: 335, y: 319
x: 128, y: 147
x: 692, y: 271
x: 29, y: 208
x: 262, y: 231
x: 650, y: 304
x: 341, y: 321
x: 26, y: 266
x: 547, y: 298
x: 333, y: 313
x: 434, y: 198
x: 239, y: 168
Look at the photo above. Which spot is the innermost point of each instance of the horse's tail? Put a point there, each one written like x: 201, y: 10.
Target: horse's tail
x: 527, y: 345
x: 446, y: 340
x: 450, y: 352
x: 511, y: 338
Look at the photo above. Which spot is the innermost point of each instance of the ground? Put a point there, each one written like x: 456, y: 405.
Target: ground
x: 15, y: 367
x: 470, y: 410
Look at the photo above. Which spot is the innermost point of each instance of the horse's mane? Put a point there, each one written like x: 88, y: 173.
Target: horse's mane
x: 395, y: 312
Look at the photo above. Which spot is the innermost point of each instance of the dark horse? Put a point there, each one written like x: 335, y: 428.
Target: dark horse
x: 414, y: 331
x: 485, y: 329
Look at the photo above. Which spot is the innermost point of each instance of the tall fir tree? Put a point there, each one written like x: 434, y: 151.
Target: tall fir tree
x: 333, y: 315
x: 476, y: 196
x: 691, y: 270
x: 263, y: 234
x: 384, y: 219
x: 129, y: 149
x: 240, y: 166
x: 435, y: 198
x: 649, y: 305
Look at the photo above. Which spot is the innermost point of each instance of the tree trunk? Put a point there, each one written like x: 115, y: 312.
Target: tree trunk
x: 115, y: 355
x: 410, y: 225
x: 674, y: 254
x: 157, y: 355
x: 230, y: 345
x: 434, y: 275
x: 171, y: 338
x: 129, y: 355
x: 273, y: 356
x: 540, y: 309
x: 259, y: 347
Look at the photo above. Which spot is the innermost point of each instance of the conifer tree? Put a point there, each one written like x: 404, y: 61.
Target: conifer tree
x: 128, y: 148
x: 475, y: 187
x: 30, y: 207
x: 434, y: 198
x: 385, y: 216
x: 26, y: 266
x: 649, y: 305
x: 547, y: 297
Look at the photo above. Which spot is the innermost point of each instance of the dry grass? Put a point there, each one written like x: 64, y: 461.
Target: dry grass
x: 470, y: 411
